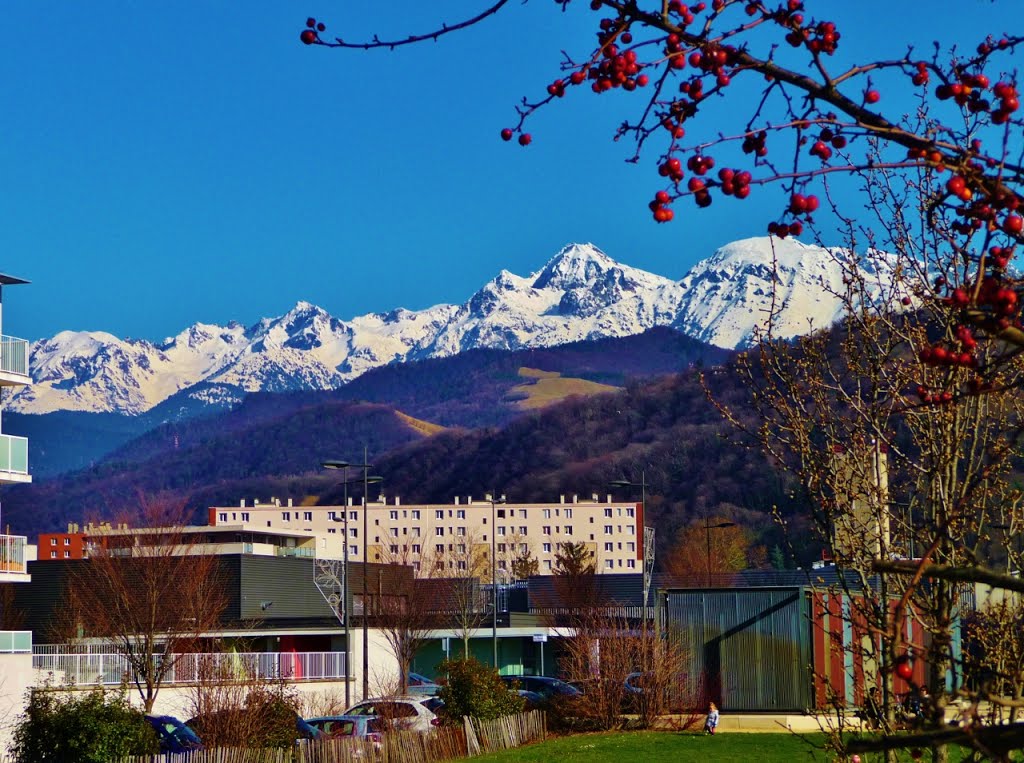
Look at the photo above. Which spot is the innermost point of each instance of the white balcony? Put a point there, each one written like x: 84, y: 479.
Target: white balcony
x: 86, y: 666
x: 12, y: 559
x: 14, y: 459
x: 14, y: 362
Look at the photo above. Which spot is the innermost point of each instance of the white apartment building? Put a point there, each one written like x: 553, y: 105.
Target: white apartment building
x: 458, y: 533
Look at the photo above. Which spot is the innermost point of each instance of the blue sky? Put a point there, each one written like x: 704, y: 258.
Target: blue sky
x: 166, y: 163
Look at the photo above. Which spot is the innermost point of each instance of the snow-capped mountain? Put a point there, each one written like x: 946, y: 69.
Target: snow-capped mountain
x: 580, y: 294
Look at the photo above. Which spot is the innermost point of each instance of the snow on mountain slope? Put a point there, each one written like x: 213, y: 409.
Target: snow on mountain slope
x: 581, y: 293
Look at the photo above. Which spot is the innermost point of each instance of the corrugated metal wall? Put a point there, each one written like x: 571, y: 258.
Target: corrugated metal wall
x: 745, y: 649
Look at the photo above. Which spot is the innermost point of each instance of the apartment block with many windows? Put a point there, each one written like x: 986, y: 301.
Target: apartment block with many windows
x: 458, y: 535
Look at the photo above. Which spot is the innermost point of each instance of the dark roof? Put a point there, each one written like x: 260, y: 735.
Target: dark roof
x: 7, y: 280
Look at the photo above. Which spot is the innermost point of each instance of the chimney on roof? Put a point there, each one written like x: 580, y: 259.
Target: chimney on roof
x: 456, y: 500
x: 275, y: 500
x: 488, y: 497
x: 609, y: 498
x: 398, y: 501
x: 561, y: 498
x: 241, y: 504
x: 469, y: 500
x: 594, y: 497
x: 289, y: 503
x: 575, y: 498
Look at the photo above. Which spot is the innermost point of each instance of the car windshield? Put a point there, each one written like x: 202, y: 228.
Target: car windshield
x: 364, y: 709
x: 433, y: 704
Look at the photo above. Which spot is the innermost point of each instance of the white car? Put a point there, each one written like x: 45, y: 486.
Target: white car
x: 410, y: 712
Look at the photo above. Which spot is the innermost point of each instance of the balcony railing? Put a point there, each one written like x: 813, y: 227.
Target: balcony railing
x: 13, y: 454
x: 12, y: 553
x: 14, y: 355
x: 88, y: 668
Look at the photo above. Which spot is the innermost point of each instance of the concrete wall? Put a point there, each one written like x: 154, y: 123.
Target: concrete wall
x: 16, y: 676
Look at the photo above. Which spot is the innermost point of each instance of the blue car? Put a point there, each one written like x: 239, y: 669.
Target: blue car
x: 175, y: 736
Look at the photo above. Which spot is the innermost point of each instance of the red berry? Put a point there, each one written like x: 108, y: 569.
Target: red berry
x: 311, y: 22
x: 506, y: 134
x: 525, y: 139
x: 904, y: 668
x: 871, y: 96
x: 308, y: 36
x: 1013, y: 225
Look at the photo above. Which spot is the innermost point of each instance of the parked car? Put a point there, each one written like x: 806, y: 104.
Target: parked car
x: 420, y: 684
x: 175, y: 736
x: 545, y: 686
x: 347, y: 726
x: 533, y: 699
x: 410, y: 711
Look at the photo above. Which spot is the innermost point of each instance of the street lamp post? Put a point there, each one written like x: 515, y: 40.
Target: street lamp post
x: 494, y: 578
x: 344, y: 566
x: 367, y: 479
x: 626, y: 484
x: 708, y: 527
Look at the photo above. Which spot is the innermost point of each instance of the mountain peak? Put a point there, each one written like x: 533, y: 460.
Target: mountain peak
x: 574, y: 265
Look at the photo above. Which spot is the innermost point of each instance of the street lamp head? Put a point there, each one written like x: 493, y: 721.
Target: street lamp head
x: 721, y: 525
x: 373, y: 479
x: 621, y: 483
x: 334, y: 464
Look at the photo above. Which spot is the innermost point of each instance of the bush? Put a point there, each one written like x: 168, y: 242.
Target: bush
x: 61, y: 726
x: 475, y: 689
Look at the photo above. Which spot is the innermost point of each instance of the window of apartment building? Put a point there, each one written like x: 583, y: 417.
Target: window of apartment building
x: 353, y: 550
x: 620, y: 562
x: 439, y: 548
x: 618, y: 528
x: 501, y: 530
x: 332, y: 515
x: 462, y: 565
x: 460, y: 531
x: 607, y: 512
x: 461, y: 548
x: 547, y: 548
x: 416, y: 566
x: 501, y: 513
x: 630, y: 512
x: 631, y: 546
x: 393, y: 514
x: 286, y: 516
x: 53, y: 554
x: 376, y: 522
x: 439, y: 514
x: 609, y: 564
x: 631, y: 563
x: 394, y: 532
x: 353, y: 532
x: 546, y: 529
x: 415, y: 513
x: 307, y: 516
x: 547, y: 565
x: 331, y: 531
x: 501, y: 548
x: 353, y: 515
x: 523, y: 548
x: 609, y: 546
x: 522, y: 513
x: 415, y: 532
x: 269, y: 523
x: 631, y: 530
x: 53, y: 541
x: 439, y: 531
x: 393, y: 548
x: 607, y: 529
x: 245, y: 516
x: 568, y: 513
x: 568, y: 529
x: 460, y: 514
x: 546, y: 514
x: 223, y: 516
x: 376, y: 539
x: 522, y: 530
x: 405, y: 530
x: 591, y: 520
x: 415, y: 548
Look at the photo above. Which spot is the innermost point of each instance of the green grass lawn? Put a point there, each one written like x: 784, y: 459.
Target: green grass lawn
x: 669, y: 747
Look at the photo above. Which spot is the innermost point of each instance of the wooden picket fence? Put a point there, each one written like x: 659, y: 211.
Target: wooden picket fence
x: 474, y: 737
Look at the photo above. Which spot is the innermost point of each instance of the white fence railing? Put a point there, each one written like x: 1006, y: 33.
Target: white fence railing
x: 14, y: 355
x: 86, y: 668
x: 12, y: 553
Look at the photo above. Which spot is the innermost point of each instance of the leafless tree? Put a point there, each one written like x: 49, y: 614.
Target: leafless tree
x: 150, y: 593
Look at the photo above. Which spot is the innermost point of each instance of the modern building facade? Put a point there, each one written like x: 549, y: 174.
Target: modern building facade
x: 450, y: 536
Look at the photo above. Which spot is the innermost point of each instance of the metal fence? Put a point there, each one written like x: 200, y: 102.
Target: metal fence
x: 12, y: 552
x: 108, y: 668
x: 14, y: 355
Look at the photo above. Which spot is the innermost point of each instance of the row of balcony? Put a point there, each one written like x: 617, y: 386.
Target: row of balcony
x: 14, y: 358
x: 111, y: 669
